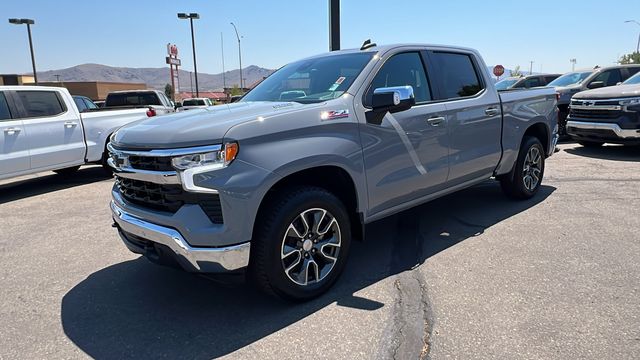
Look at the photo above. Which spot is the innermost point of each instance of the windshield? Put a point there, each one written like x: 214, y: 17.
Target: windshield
x: 193, y: 102
x: 634, y: 80
x: 505, y: 84
x: 313, y: 80
x: 570, y: 78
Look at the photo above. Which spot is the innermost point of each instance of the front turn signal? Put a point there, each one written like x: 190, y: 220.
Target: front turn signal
x: 230, y: 152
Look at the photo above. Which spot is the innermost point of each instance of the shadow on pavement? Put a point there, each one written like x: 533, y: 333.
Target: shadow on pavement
x: 34, y: 186
x: 608, y: 152
x: 137, y: 309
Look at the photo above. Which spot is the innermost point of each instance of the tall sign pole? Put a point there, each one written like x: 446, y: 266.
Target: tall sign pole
x: 173, y: 61
x: 334, y: 25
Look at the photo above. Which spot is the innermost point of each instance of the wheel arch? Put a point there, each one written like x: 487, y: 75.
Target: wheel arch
x: 332, y: 178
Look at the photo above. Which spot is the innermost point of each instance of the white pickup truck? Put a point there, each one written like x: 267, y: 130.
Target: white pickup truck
x: 41, y: 129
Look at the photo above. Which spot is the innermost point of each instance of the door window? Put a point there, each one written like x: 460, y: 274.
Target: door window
x: 80, y: 104
x: 40, y: 103
x: 609, y: 77
x: 5, y: 113
x: 90, y: 104
x: 458, y: 74
x: 401, y: 70
x: 532, y: 82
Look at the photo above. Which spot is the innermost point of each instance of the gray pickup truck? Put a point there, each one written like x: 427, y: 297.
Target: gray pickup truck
x: 283, y: 181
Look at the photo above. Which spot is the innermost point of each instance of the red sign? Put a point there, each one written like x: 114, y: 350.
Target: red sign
x: 498, y: 70
x: 172, y: 50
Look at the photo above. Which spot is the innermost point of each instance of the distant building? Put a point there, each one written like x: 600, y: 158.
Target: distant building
x: 95, y: 90
x: 14, y: 79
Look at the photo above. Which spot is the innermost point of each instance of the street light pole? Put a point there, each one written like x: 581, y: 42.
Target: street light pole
x: 28, y: 22
x: 239, y: 55
x: 192, y: 16
x: 637, y: 23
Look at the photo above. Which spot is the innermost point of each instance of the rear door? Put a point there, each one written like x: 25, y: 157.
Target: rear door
x: 406, y: 154
x: 473, y: 113
x: 14, y: 147
x: 55, y: 132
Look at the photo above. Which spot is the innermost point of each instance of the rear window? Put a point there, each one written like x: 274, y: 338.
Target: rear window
x: 193, y: 102
x: 40, y: 103
x: 5, y: 113
x: 458, y: 74
x: 132, y: 99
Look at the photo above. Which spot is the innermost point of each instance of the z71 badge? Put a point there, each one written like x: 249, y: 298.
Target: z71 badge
x: 334, y: 114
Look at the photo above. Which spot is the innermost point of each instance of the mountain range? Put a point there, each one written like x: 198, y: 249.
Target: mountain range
x: 155, y: 78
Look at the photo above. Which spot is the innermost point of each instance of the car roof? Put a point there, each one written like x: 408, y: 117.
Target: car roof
x: 385, y: 48
x: 30, y: 87
x: 132, y: 91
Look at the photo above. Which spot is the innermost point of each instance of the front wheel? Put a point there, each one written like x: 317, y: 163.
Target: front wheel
x: 524, y: 181
x: 300, y: 246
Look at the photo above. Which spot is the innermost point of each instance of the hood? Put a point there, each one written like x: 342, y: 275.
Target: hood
x: 611, y: 92
x: 196, y: 127
x: 574, y: 87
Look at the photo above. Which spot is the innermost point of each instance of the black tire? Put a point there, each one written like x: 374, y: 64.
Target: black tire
x: 108, y: 170
x: 590, y: 144
x: 515, y: 183
x: 67, y: 171
x: 267, y: 265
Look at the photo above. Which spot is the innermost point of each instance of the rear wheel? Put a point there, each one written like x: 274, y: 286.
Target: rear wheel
x: 524, y: 181
x: 67, y: 171
x: 301, y: 246
x: 590, y: 144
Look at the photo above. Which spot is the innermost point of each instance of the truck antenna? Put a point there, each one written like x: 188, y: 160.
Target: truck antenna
x: 367, y: 44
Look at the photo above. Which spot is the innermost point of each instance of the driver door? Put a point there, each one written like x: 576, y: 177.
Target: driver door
x: 406, y: 154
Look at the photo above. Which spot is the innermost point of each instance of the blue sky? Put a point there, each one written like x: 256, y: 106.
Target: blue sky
x: 134, y: 33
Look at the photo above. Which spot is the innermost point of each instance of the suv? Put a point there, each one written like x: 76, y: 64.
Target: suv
x: 571, y: 83
x: 140, y: 98
x: 526, y: 82
x: 195, y: 103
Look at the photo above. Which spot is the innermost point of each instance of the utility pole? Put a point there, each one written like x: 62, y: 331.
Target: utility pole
x: 239, y: 56
x: 192, y: 16
x: 573, y: 64
x: 334, y: 25
x: 28, y: 22
x: 224, y: 77
x: 530, y: 67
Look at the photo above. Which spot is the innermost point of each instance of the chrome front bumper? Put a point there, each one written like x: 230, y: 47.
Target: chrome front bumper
x: 205, y: 260
x: 621, y: 133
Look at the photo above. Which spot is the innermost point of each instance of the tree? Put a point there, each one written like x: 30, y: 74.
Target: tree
x: 235, y: 90
x: 633, y: 58
x: 168, y: 90
x: 515, y: 72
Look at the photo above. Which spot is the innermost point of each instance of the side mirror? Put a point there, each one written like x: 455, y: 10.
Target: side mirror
x: 393, y: 99
x: 595, y: 84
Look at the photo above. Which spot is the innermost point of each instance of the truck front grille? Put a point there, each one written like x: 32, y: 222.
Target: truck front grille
x: 152, y: 163
x: 594, y: 114
x: 168, y: 198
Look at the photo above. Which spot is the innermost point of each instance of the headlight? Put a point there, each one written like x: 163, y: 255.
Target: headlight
x: 211, y: 160
x: 197, y: 165
x: 630, y: 101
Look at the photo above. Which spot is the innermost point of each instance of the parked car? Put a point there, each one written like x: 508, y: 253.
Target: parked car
x: 43, y: 129
x: 281, y: 182
x: 84, y: 104
x: 195, y: 103
x: 526, y: 82
x: 571, y: 83
x: 140, y: 98
x: 609, y: 115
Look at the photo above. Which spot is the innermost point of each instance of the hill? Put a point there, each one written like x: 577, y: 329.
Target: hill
x: 155, y: 78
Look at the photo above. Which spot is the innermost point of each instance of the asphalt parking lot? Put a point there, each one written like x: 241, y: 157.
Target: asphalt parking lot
x: 471, y: 275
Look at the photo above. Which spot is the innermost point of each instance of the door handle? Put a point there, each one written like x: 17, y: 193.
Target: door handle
x: 70, y: 124
x: 11, y: 131
x: 436, y: 121
x: 492, y: 111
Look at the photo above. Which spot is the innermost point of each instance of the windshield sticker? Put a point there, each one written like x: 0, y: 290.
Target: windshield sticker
x: 334, y: 114
x: 337, y: 83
